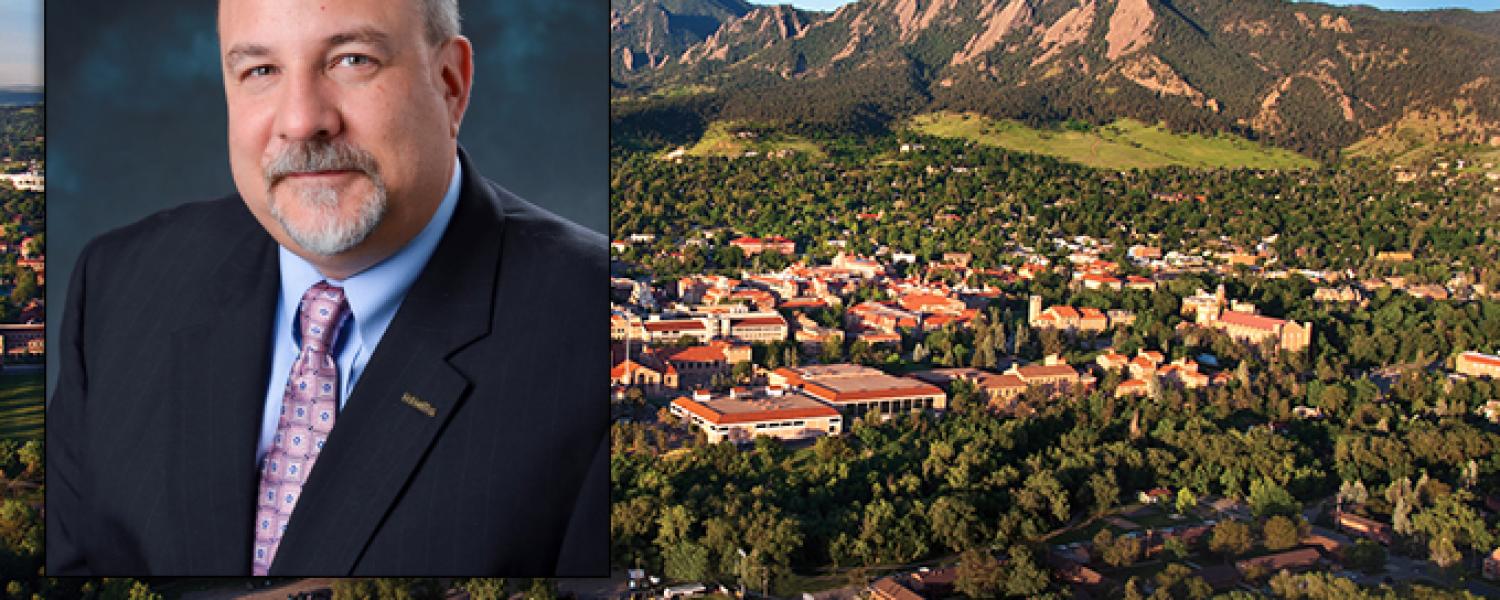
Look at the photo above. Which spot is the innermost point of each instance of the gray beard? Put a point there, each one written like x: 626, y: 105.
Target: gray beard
x: 329, y: 235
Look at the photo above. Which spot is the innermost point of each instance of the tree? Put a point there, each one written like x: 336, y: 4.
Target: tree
x: 1186, y: 500
x: 685, y: 561
x: 353, y: 589
x: 542, y: 589
x: 1442, y: 552
x: 485, y: 588
x: 955, y: 523
x: 1365, y: 555
x: 1281, y: 533
x: 979, y: 574
x: 1023, y: 577
x: 1230, y: 538
x: 1105, y: 491
x: 1269, y: 498
x: 140, y: 591
x: 1124, y: 551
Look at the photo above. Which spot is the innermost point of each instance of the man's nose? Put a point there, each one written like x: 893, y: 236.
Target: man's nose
x: 308, y: 111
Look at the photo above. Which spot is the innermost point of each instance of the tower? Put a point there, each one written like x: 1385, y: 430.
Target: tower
x: 1034, y: 308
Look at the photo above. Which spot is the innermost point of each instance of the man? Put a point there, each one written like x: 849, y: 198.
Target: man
x: 373, y: 361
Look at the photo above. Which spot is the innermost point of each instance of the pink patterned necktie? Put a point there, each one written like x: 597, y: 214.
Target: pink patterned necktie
x: 307, y: 412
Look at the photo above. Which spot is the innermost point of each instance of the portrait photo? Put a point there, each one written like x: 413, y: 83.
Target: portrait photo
x: 328, y: 285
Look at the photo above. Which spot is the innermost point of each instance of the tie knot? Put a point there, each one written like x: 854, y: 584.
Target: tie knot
x: 323, y: 307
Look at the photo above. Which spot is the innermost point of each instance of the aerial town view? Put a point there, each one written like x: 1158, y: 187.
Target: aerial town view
x: 22, y: 305
x: 1058, y: 298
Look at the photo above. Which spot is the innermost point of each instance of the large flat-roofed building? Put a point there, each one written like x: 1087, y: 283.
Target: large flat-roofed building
x: 1475, y: 364
x: 743, y: 413
x: 23, y: 338
x: 856, y: 390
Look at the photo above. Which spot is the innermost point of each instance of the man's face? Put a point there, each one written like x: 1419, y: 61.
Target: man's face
x: 342, y: 121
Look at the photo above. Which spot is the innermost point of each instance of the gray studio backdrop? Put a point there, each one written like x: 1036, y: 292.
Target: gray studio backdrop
x: 136, y: 121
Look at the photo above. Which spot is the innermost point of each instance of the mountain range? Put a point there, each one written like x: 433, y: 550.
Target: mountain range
x: 1310, y: 77
x: 20, y: 95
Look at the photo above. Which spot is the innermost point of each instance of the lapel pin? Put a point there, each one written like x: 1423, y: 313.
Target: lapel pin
x: 421, y: 405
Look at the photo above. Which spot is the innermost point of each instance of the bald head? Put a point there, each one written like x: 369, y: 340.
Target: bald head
x: 440, y: 19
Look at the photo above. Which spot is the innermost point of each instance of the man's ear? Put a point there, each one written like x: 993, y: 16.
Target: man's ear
x: 455, y: 77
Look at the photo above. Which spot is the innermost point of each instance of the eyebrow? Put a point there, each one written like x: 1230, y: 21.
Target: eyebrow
x: 362, y: 35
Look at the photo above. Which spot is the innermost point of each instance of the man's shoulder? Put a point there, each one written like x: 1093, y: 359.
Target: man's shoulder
x: 534, y: 233
x: 204, y: 228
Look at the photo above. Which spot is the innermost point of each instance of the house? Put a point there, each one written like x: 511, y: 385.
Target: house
x: 1136, y: 282
x: 1111, y: 361
x: 753, y: 245
x: 1364, y: 527
x: 888, y: 588
x: 1295, y: 560
x: 867, y: 268
x: 1475, y: 364
x: 1132, y: 387
x: 1155, y: 496
x: 1492, y: 566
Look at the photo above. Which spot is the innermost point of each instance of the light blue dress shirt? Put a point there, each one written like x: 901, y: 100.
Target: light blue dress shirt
x: 373, y: 295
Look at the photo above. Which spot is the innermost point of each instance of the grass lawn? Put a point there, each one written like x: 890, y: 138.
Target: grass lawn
x: 720, y: 140
x: 1123, y: 144
x: 22, y: 404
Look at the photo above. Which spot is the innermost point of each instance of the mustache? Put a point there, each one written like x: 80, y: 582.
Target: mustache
x: 319, y: 155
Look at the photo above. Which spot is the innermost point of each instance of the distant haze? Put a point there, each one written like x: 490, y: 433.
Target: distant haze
x: 827, y: 5
x: 20, y: 43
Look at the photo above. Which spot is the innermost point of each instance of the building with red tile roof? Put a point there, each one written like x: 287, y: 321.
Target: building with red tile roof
x: 698, y: 365
x: 856, y: 389
x: 742, y: 414
x: 753, y: 245
x: 1258, y: 329
x: 1475, y: 364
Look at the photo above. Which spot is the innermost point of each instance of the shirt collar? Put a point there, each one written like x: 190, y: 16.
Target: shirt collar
x: 375, y: 293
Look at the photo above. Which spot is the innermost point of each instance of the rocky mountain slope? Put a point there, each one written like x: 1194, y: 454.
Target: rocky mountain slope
x: 1310, y: 77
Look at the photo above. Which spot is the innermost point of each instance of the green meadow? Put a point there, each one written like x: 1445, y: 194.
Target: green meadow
x: 732, y: 140
x: 22, y: 403
x: 1123, y: 144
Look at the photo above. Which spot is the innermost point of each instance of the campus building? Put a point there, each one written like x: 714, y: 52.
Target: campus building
x: 743, y: 413
x: 856, y: 390
x: 1475, y: 364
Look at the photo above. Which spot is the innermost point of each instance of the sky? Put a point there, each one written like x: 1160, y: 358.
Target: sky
x: 20, y: 42
x: 1383, y: 4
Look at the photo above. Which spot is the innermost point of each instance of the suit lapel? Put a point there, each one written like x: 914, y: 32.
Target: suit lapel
x: 218, y: 386
x: 405, y: 396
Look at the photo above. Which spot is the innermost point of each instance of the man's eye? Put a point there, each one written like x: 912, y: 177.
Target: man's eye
x: 260, y: 71
x: 353, y: 60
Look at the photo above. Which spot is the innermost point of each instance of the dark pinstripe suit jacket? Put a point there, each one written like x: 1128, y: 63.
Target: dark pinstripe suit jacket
x: 152, y: 429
